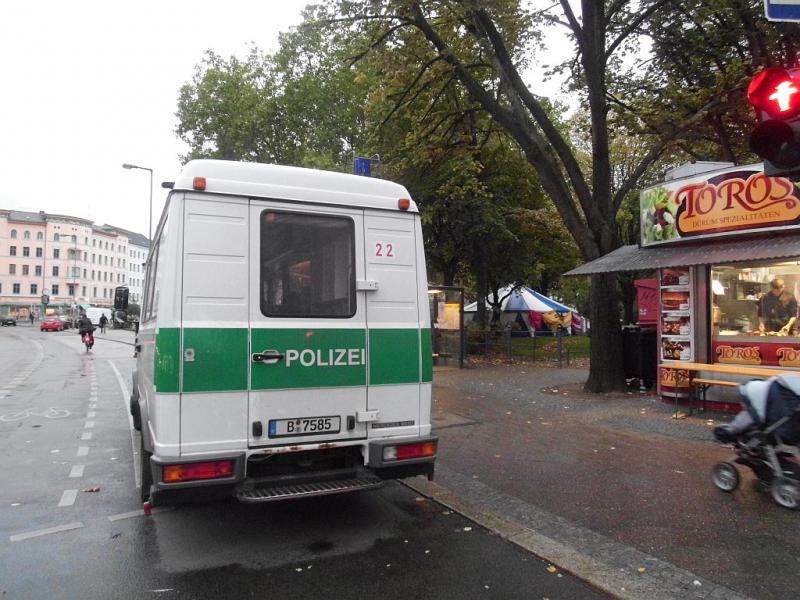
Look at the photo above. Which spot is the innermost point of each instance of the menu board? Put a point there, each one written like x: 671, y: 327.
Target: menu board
x: 675, y: 324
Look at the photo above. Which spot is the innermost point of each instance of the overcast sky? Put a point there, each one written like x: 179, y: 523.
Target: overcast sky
x: 89, y: 85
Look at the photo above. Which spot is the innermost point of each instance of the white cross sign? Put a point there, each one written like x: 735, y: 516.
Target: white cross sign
x: 782, y: 10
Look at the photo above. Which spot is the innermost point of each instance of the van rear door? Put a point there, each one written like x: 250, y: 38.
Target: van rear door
x: 393, y: 322
x: 307, y: 322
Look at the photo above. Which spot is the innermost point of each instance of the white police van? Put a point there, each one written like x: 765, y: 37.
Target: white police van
x: 284, y: 348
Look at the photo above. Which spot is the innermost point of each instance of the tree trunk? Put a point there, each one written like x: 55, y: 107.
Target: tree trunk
x: 606, y: 373
x: 628, y: 296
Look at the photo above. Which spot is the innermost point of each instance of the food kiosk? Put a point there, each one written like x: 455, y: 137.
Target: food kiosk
x: 725, y: 245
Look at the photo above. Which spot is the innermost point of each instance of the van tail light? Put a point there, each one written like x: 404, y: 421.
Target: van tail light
x: 404, y: 204
x: 217, y: 469
x: 199, y: 183
x: 406, y: 451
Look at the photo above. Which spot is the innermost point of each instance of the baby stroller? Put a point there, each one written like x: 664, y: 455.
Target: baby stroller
x: 765, y: 437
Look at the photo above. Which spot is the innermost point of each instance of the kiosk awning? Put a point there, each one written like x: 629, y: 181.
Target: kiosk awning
x: 741, y: 249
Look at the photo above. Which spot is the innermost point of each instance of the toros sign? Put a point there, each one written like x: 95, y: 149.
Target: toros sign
x: 735, y: 200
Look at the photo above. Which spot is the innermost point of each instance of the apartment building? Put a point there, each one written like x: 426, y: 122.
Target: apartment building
x: 69, y: 258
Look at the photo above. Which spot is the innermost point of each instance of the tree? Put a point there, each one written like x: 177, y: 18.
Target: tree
x: 483, y: 45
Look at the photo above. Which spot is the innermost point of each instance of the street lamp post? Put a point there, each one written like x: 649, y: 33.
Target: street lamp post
x: 150, y: 219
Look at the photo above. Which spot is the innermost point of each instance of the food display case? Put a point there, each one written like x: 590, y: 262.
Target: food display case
x: 676, y: 315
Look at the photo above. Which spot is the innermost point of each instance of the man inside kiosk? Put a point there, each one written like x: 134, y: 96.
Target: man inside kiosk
x: 777, y: 309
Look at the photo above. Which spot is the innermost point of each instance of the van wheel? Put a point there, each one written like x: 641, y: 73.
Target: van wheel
x: 146, y: 471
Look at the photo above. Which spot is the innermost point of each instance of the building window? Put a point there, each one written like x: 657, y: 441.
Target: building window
x: 71, y: 289
x: 56, y: 237
x: 25, y: 269
x: 55, y: 289
x: 83, y: 293
x: 26, y: 251
x: 94, y: 243
x: 84, y: 273
x: 39, y: 235
x: 13, y: 234
x: 84, y: 257
x: 15, y: 288
x: 12, y: 250
x: 39, y: 253
x: 37, y: 270
x: 34, y: 289
x: 95, y: 292
x: 55, y: 270
x: 26, y: 235
x: 56, y: 253
x: 104, y: 292
x: 12, y: 269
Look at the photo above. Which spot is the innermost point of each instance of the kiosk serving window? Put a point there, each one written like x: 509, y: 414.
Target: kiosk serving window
x: 755, y: 301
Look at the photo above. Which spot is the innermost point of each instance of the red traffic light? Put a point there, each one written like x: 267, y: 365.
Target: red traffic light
x: 775, y: 92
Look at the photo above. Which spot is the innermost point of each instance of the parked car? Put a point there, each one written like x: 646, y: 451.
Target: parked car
x: 66, y: 320
x: 8, y: 321
x: 52, y: 324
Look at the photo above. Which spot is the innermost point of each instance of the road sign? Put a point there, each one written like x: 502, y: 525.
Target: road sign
x: 782, y: 10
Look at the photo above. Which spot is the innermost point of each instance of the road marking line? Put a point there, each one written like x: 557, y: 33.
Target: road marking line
x: 86, y: 435
x: 93, y: 405
x: 88, y: 424
x: 83, y: 450
x: 32, y: 534
x: 77, y: 471
x: 125, y: 396
x: 68, y: 498
x: 91, y: 414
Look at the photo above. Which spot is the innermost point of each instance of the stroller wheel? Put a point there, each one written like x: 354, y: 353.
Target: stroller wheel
x: 725, y: 476
x: 785, y: 492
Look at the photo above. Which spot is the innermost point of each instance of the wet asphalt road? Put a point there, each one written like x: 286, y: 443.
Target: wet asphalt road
x: 622, y: 468
x: 71, y: 525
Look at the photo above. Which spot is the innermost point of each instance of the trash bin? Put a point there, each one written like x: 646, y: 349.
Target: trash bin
x: 632, y: 351
x: 649, y: 356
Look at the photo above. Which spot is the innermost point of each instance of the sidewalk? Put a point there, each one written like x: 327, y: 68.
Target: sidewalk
x: 614, y: 490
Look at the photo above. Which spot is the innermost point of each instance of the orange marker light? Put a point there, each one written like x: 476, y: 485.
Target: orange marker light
x: 404, y: 204
x: 199, y: 183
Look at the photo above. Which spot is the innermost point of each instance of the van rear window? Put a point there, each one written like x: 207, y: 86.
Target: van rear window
x: 307, y: 265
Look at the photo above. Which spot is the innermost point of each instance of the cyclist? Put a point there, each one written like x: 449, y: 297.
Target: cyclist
x: 85, y: 327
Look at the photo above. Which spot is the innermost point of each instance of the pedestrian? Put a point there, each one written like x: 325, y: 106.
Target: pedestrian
x: 103, y: 321
x: 31, y: 317
x: 777, y: 309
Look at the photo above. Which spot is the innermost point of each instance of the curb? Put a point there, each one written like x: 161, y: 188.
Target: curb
x: 664, y: 582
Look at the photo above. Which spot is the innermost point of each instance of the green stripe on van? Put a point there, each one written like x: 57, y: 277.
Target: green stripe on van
x: 394, y: 356
x: 220, y: 360
x: 426, y: 347
x: 313, y: 358
x: 167, y: 360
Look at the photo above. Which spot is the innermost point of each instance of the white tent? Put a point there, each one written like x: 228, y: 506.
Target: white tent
x: 521, y: 307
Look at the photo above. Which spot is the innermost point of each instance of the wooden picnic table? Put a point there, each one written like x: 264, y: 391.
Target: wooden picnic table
x: 717, y: 369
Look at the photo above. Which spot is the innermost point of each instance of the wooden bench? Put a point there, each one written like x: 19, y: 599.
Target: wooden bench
x: 703, y: 383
